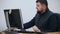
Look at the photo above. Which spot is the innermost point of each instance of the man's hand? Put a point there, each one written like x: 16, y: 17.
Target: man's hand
x: 13, y: 28
x: 36, y: 29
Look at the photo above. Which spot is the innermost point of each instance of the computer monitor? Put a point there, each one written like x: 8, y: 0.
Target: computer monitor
x: 14, y: 18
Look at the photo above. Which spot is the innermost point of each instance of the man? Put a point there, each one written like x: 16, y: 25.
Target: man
x: 45, y: 20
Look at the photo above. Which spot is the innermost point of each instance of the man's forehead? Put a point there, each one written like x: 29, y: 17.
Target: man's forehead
x: 38, y: 3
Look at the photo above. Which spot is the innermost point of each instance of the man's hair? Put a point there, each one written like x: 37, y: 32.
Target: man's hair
x: 42, y: 2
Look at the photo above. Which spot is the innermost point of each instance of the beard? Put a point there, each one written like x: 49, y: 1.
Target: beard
x: 40, y: 12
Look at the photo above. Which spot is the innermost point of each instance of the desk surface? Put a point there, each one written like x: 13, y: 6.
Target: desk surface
x: 53, y: 32
x: 44, y: 33
x: 34, y: 33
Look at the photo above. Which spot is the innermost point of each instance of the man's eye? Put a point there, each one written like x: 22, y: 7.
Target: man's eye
x: 37, y: 5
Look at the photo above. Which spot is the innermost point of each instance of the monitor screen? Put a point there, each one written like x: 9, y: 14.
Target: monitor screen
x: 14, y: 17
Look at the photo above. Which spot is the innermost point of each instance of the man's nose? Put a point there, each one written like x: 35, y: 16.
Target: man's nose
x: 37, y: 8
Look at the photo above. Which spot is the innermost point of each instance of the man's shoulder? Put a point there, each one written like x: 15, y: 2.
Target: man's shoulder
x: 53, y: 15
x: 52, y: 18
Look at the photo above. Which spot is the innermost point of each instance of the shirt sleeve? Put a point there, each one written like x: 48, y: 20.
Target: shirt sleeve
x: 29, y: 24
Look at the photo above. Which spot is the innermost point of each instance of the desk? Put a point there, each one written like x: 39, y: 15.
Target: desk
x: 45, y: 33
x: 34, y: 33
x: 53, y: 33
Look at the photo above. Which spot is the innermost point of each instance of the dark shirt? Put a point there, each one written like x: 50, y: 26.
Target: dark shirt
x: 46, y: 22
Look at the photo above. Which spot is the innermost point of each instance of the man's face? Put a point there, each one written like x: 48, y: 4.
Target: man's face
x: 39, y: 6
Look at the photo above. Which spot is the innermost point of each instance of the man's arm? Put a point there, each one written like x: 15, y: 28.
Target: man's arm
x: 29, y: 24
